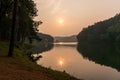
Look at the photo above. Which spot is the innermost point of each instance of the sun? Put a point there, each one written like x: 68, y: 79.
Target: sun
x: 61, y: 21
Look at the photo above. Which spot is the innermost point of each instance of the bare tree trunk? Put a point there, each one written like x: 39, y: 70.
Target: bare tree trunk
x: 12, y: 39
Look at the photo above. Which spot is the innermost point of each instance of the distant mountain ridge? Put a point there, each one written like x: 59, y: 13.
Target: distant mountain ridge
x: 72, y: 38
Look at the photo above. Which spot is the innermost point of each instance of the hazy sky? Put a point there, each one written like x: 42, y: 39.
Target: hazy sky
x: 68, y: 17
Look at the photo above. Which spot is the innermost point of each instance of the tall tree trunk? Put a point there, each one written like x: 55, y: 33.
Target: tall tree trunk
x: 12, y: 39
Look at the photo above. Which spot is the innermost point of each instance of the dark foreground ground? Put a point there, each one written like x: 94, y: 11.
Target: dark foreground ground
x: 20, y: 67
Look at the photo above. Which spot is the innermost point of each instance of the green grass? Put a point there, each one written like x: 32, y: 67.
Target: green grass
x: 20, y: 59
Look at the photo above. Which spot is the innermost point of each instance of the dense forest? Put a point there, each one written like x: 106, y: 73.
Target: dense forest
x: 107, y: 31
x: 25, y: 26
x: 100, y: 42
x: 17, y: 23
x: 45, y: 38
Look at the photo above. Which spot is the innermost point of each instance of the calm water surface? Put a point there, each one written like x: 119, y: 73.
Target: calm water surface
x: 65, y: 57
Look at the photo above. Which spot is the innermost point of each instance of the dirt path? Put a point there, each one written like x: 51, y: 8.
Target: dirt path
x: 13, y: 70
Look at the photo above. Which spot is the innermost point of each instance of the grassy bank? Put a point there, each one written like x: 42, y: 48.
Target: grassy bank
x: 20, y: 67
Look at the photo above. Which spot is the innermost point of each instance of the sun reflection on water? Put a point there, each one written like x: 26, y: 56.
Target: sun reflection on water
x: 61, y: 61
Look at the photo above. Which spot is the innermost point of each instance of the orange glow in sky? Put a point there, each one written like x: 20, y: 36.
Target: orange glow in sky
x: 78, y: 14
x: 60, y: 21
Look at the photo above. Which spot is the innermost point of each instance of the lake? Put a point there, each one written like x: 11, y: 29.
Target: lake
x: 66, y: 57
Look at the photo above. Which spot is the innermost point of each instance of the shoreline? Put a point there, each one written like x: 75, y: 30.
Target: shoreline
x: 20, y: 67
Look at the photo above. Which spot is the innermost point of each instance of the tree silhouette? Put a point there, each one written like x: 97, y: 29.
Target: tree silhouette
x: 26, y: 27
x: 12, y: 39
x: 16, y: 22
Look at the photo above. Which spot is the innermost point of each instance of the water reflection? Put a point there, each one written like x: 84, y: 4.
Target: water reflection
x: 108, y: 55
x: 66, y: 58
x: 42, y: 47
x: 61, y: 62
x: 35, y: 53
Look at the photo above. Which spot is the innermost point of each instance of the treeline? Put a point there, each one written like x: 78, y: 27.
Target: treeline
x: 25, y: 26
x: 45, y: 38
x: 66, y: 39
x: 107, y: 31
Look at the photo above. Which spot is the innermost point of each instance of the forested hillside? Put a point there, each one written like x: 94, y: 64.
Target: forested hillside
x: 44, y: 38
x: 107, y: 31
